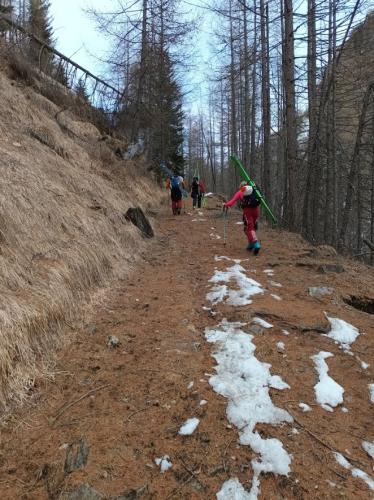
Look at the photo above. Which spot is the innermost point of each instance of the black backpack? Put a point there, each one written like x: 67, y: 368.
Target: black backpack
x: 251, y: 201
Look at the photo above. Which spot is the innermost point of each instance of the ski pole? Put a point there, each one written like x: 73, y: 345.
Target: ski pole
x: 225, y: 225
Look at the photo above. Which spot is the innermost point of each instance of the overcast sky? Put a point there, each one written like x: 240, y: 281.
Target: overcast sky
x: 78, y: 38
x: 76, y: 34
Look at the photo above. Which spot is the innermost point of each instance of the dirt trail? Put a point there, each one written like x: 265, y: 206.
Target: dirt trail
x: 130, y: 401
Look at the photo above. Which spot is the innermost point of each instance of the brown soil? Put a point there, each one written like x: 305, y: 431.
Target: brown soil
x: 137, y: 394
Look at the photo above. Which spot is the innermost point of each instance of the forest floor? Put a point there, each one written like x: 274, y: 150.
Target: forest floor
x: 110, y: 412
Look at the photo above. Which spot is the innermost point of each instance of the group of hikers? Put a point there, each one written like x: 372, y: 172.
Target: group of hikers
x: 246, y: 197
x: 178, y: 191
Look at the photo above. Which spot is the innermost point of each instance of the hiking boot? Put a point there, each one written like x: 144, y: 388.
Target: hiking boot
x: 250, y: 247
x: 256, y: 247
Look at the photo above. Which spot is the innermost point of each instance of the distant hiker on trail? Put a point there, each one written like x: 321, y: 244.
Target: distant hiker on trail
x: 251, y: 211
x: 176, y: 185
x: 197, y: 192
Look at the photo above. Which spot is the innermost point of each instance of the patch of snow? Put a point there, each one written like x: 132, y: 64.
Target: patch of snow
x: 327, y: 408
x: 371, y: 390
x: 342, y: 332
x: 305, y: 407
x: 354, y: 471
x: 220, y: 258
x: 276, y: 297
x: 262, y: 322
x: 190, y: 385
x: 217, y: 294
x: 189, y: 426
x: 199, y: 220
x: 216, y: 236
x: 328, y: 392
x: 364, y: 365
x: 233, y: 490
x: 274, y: 283
x: 281, y: 346
x: 240, y: 223
x: 164, y: 463
x: 369, y: 448
x: 245, y: 382
x: 295, y: 431
x: 330, y: 483
x: 344, y: 409
x: 285, y: 332
x: 203, y: 402
x: 269, y: 272
x: 342, y: 461
x: 235, y: 297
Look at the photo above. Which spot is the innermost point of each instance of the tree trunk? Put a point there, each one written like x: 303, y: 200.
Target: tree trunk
x: 265, y: 85
x: 355, y: 166
x: 290, y: 103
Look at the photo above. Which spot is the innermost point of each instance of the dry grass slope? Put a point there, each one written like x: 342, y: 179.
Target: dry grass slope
x: 62, y: 227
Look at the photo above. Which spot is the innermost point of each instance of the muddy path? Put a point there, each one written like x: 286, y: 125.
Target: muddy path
x: 110, y: 411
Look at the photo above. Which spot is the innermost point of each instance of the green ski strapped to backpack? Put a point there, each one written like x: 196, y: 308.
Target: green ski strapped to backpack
x: 258, y: 193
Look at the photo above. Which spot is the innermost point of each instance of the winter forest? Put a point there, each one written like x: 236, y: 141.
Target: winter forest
x: 287, y: 85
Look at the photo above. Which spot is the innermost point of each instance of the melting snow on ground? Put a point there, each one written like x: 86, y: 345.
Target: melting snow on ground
x: 281, y: 346
x: 189, y: 427
x: 328, y: 392
x: 305, y: 407
x: 262, y: 322
x: 369, y: 448
x: 371, y: 390
x: 276, y: 297
x: 269, y: 272
x: 274, y: 283
x: 245, y: 382
x: 364, y: 365
x: 164, y: 463
x: 355, y: 472
x: 233, y: 490
x: 342, y: 332
x: 247, y: 287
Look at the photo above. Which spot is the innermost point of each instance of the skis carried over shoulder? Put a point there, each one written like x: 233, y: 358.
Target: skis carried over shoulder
x: 235, y: 160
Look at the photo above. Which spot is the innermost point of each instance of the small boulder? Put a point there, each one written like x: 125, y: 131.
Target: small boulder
x: 331, y: 268
x: 76, y: 456
x: 137, y: 217
x: 84, y: 492
x: 113, y: 341
x: 319, y: 291
x: 133, y: 494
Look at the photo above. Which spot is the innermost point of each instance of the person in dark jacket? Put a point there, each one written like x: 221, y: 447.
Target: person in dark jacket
x: 196, y: 193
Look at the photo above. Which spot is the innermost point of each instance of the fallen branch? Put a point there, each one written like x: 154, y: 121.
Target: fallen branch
x: 139, y: 411
x: 326, y: 445
x: 189, y: 470
x: 65, y: 407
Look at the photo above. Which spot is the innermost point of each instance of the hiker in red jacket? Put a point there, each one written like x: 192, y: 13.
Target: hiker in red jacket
x: 251, y: 211
x: 176, y: 186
